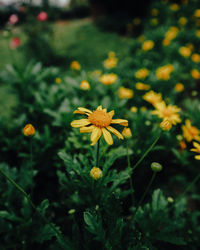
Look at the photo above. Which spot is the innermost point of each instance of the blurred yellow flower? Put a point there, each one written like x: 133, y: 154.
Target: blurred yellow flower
x: 196, y: 149
x: 185, y: 51
x: 154, y: 21
x: 163, y: 73
x: 98, y: 124
x: 125, y: 93
x: 182, y: 145
x: 110, y: 62
x: 142, y: 86
x: 197, y: 13
x: 133, y: 109
x: 142, y: 73
x: 143, y: 108
x: 108, y: 79
x: 195, y: 57
x: 127, y: 133
x: 111, y: 54
x: 190, y: 46
x: 96, y: 173
x: 75, y: 65
x: 190, y: 132
x: 166, y: 124
x: 152, y: 97
x: 29, y: 130
x: 154, y: 12
x: 174, y: 7
x: 141, y: 38
x: 182, y: 21
x: 166, y: 42
x: 198, y: 33
x: 171, y: 33
x: 170, y: 112
x: 136, y: 21
x: 58, y: 80
x: 195, y: 74
x: 179, y: 87
x: 85, y: 85
x: 147, y: 45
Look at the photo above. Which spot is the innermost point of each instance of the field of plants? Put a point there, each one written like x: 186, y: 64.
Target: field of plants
x: 100, y: 132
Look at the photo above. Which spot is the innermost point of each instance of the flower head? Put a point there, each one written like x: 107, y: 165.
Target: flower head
x: 154, y: 12
x: 179, y: 87
x: 147, y: 45
x: 96, y: 173
x: 152, y: 97
x: 127, y: 133
x: 42, y: 16
x: 58, y: 80
x: 142, y: 73
x: 29, y: 130
x: 108, y: 79
x: 197, y: 13
x: 163, y: 73
x: 182, y: 21
x: 195, y: 74
x: 174, y: 7
x: 170, y: 112
x: 190, y: 132
x: 125, y: 93
x: 195, y: 58
x: 142, y: 86
x: 166, y: 124
x: 185, y: 51
x: 13, y: 19
x: 196, y: 149
x: 85, y: 85
x: 75, y: 65
x: 98, y: 123
x: 133, y: 109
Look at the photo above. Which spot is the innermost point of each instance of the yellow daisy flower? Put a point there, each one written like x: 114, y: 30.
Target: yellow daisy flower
x: 75, y: 65
x: 185, y: 51
x: 125, y: 93
x: 152, y: 97
x: 147, y: 45
x: 190, y: 132
x: 85, y: 85
x: 98, y: 123
x: 196, y: 149
x: 142, y: 73
x: 163, y: 73
x: 197, y: 13
x: 142, y: 86
x: 195, y: 74
x: 169, y: 112
x: 179, y: 87
x: 29, y: 130
x: 108, y: 79
x: 195, y: 58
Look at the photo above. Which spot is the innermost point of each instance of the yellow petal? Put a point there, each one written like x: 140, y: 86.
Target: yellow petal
x: 99, y: 107
x: 82, y: 111
x: 194, y: 150
x: 197, y: 157
x: 111, y: 113
x: 86, y: 129
x: 107, y: 136
x: 80, y: 123
x: 196, y: 145
x: 120, y: 121
x: 95, y: 135
x: 115, y: 132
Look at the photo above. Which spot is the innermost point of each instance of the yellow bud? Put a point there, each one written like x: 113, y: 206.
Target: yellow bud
x: 29, y: 130
x: 96, y: 173
x: 58, y: 80
x: 85, y: 85
x: 166, y: 124
x: 127, y: 133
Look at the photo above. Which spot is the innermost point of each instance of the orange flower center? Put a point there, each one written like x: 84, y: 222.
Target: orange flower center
x: 99, y: 118
x: 193, y: 131
x: 167, y: 112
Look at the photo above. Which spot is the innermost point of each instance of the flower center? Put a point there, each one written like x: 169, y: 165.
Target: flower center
x: 167, y: 112
x: 99, y: 118
x: 193, y: 131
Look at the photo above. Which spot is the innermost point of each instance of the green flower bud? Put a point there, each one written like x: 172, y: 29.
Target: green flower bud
x: 156, y: 167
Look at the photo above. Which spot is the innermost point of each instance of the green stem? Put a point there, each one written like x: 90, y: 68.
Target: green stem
x: 130, y: 171
x: 146, y: 153
x: 58, y: 234
x: 145, y: 192
x: 97, y: 159
x: 31, y: 161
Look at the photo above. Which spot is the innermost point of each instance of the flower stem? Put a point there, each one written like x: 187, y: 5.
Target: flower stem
x: 130, y: 171
x: 57, y: 233
x: 97, y: 159
x: 31, y: 161
x: 146, y: 153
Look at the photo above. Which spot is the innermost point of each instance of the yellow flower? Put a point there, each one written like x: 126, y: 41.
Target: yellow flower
x: 147, y: 45
x: 96, y: 173
x: 154, y: 12
x: 163, y: 73
x: 110, y: 62
x: 142, y: 86
x: 195, y: 74
x: 190, y: 46
x: 141, y: 38
x: 136, y: 21
x: 179, y: 87
x: 166, y: 42
x: 133, y: 109
x: 58, y: 80
x: 75, y: 65
x: 190, y: 132
x: 98, y: 123
x: 108, y: 79
x: 154, y: 21
x: 85, y: 85
x: 198, y: 33
x: 111, y: 54
x: 166, y: 124
x: 170, y: 112
x: 196, y: 149
x: 174, y: 7
x: 195, y: 58
x: 127, y: 133
x: 182, y: 145
x: 171, y: 33
x: 182, y: 21
x: 29, y: 130
x: 143, y: 108
x: 125, y: 93
x: 197, y: 13
x: 185, y: 51
x: 142, y: 73
x: 152, y: 97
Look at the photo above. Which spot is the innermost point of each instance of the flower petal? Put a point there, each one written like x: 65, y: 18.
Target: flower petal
x: 196, y: 145
x: 111, y: 113
x: 86, y: 129
x: 197, y: 157
x: 99, y: 107
x: 80, y: 123
x: 82, y: 111
x: 115, y: 132
x: 107, y: 136
x: 95, y: 135
x: 120, y: 121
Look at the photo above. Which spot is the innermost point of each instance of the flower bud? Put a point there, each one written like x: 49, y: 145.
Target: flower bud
x: 156, y: 167
x: 85, y: 85
x: 29, y: 130
x: 127, y: 133
x: 96, y: 173
x: 166, y: 124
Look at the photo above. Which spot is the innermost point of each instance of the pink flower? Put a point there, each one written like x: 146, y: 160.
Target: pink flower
x: 15, y: 43
x: 42, y: 16
x: 13, y: 19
